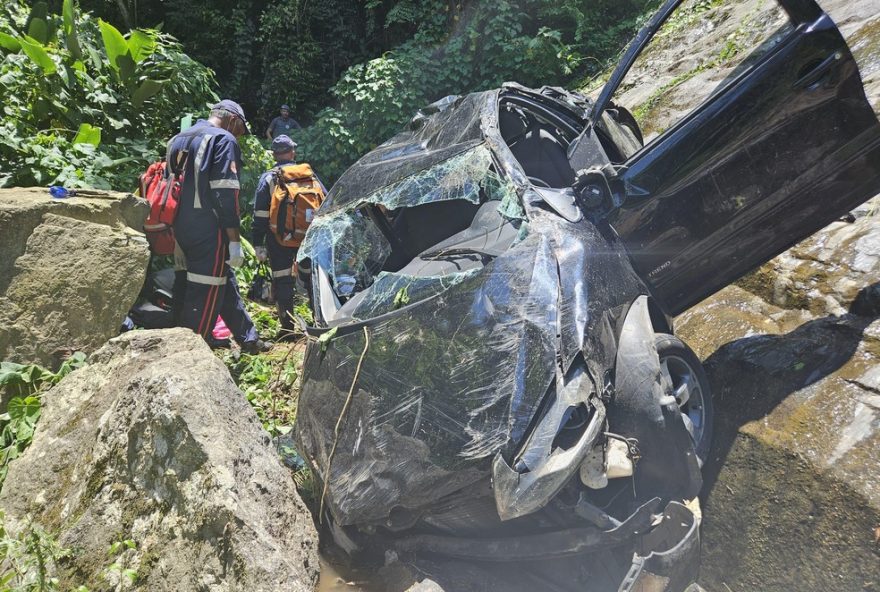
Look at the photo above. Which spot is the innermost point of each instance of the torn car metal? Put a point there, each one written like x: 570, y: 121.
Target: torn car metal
x: 494, y: 286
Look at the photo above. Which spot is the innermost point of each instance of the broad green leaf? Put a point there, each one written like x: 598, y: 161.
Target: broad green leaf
x: 35, y: 51
x: 9, y: 43
x: 20, y: 408
x: 68, y: 15
x: 141, y: 45
x: 95, y: 56
x: 10, y: 372
x: 39, y: 30
x: 88, y: 134
x: 114, y: 43
x: 37, y: 23
x: 147, y: 89
x: 126, y: 69
x: 26, y: 429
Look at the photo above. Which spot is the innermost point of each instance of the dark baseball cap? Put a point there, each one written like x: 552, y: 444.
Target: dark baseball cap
x: 283, y: 143
x: 235, y: 109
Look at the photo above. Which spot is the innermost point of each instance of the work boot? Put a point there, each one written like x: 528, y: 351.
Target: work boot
x: 257, y: 346
x: 215, y: 343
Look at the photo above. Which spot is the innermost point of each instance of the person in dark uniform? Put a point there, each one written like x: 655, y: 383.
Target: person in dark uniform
x: 207, y: 224
x: 282, y: 124
x: 280, y: 258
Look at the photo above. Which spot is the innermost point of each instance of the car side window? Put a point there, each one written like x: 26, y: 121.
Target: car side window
x: 699, y: 50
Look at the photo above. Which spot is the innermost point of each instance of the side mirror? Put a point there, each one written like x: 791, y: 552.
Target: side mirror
x: 592, y: 187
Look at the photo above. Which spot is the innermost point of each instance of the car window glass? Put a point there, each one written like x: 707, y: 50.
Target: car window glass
x: 703, y: 46
x: 353, y: 251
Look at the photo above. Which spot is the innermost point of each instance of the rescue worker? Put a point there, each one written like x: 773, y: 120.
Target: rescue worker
x: 282, y: 124
x: 281, y: 258
x: 207, y: 224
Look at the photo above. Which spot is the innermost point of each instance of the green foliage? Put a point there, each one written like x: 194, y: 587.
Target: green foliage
x: 24, y: 384
x: 119, y: 573
x: 359, y: 70
x: 28, y: 557
x: 458, y: 49
x: 86, y: 105
x: 271, y: 384
x: 257, y: 160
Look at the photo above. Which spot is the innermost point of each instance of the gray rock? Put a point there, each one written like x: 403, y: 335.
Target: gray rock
x: 791, y: 493
x: 826, y: 272
x: 69, y: 271
x: 153, y: 442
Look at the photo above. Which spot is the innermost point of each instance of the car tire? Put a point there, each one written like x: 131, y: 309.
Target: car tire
x: 685, y: 377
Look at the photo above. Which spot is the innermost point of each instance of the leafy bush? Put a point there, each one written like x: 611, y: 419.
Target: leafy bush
x: 22, y: 384
x: 358, y: 69
x: 458, y: 50
x: 28, y: 557
x: 85, y: 105
x: 271, y: 384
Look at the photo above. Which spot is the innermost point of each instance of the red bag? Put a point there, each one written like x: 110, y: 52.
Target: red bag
x: 162, y: 192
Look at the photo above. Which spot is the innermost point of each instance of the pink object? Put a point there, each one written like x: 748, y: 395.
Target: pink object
x: 221, y: 331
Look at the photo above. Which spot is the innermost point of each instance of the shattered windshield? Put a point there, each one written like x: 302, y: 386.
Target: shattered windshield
x: 356, y: 253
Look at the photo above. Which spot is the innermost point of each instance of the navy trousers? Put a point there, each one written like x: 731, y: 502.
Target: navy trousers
x: 210, y: 287
x: 281, y: 261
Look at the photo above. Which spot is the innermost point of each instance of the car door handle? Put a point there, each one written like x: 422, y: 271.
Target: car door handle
x: 814, y: 72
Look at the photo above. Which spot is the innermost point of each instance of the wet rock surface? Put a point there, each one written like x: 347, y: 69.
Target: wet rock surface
x: 791, y: 496
x: 827, y: 273
x: 69, y: 271
x: 153, y: 442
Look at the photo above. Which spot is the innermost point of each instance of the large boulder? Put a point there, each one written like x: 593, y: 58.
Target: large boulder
x: 153, y: 442
x: 69, y: 271
x: 792, y: 495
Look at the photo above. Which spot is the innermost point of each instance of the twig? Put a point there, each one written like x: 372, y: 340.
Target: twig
x: 342, y: 413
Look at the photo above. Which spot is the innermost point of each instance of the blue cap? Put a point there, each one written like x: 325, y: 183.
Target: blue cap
x: 285, y: 108
x: 235, y: 109
x: 283, y: 143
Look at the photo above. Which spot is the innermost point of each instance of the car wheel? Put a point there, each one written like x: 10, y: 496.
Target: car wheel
x: 684, y: 377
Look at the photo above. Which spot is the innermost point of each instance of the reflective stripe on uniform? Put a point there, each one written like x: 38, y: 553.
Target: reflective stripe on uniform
x: 197, y: 166
x: 261, y: 213
x: 225, y: 184
x: 208, y: 280
x: 283, y: 273
x: 155, y: 226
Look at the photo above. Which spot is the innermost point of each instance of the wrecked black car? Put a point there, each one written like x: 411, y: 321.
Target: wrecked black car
x: 495, y: 374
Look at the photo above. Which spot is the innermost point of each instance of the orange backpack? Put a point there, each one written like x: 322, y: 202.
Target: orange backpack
x: 296, y: 194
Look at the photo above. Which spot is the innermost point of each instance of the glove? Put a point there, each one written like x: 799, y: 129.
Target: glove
x: 262, y: 254
x: 236, y: 256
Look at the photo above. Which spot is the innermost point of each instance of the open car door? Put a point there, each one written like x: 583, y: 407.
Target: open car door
x: 784, y: 145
